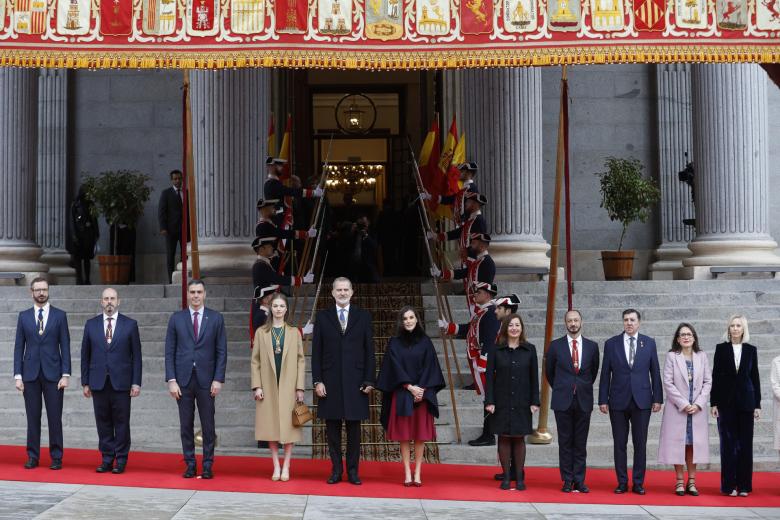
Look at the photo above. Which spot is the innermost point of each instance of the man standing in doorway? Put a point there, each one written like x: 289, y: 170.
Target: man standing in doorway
x: 42, y: 370
x: 629, y: 388
x: 343, y: 370
x: 195, y: 363
x: 111, y: 368
x: 169, y: 216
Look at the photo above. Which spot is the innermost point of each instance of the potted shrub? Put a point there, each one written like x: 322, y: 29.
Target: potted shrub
x: 120, y: 197
x: 627, y: 197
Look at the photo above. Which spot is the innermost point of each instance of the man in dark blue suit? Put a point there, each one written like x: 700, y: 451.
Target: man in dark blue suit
x: 195, y: 363
x: 111, y: 375
x: 571, y: 368
x: 629, y: 388
x: 42, y: 370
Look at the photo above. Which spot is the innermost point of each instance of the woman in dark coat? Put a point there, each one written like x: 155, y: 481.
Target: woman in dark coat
x: 736, y: 403
x: 512, y: 395
x: 409, y: 378
x: 84, y: 233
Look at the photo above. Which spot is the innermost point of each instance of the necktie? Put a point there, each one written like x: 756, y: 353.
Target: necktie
x: 178, y: 192
x: 631, y: 351
x: 343, y: 319
x: 109, y: 331
x: 195, y: 324
x: 575, y: 356
x: 40, y: 322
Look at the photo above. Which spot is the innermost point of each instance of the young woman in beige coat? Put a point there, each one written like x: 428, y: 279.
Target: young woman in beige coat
x: 278, y: 371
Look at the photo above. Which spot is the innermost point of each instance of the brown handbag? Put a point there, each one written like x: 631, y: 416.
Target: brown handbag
x: 301, y: 414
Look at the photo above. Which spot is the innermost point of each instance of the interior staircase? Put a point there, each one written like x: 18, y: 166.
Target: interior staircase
x: 155, y: 426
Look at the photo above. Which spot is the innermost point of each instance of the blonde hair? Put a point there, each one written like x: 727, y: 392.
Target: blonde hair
x: 745, y: 331
x: 270, y: 321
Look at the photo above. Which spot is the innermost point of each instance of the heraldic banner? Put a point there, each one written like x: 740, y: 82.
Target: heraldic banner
x: 384, y: 34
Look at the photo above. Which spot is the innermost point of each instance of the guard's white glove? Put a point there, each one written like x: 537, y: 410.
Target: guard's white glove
x: 312, y: 232
x: 309, y: 278
x: 435, y: 272
x: 318, y: 192
x: 425, y: 196
x: 308, y: 328
x: 443, y: 324
x: 430, y: 235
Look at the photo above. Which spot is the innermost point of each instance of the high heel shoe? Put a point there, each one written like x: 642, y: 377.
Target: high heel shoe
x: 679, y: 488
x: 407, y: 483
x: 285, y: 476
x: 417, y: 483
x: 691, y: 488
x: 275, y: 477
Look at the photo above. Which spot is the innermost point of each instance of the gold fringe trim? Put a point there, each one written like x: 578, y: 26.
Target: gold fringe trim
x: 392, y: 60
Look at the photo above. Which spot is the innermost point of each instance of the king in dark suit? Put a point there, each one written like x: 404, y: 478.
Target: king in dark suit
x: 42, y: 370
x: 630, y: 386
x: 111, y: 375
x: 169, y: 217
x: 343, y: 370
x: 195, y: 363
x: 571, y: 368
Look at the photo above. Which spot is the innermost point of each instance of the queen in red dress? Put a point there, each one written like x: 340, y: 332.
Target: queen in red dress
x: 409, y: 379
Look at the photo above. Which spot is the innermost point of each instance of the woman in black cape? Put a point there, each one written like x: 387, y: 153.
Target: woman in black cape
x: 410, y: 378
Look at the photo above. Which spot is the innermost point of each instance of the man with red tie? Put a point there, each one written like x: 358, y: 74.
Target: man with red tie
x: 195, y: 363
x: 111, y: 368
x: 571, y: 368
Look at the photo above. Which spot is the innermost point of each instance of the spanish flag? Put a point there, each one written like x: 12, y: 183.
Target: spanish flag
x: 271, y: 142
x: 453, y: 174
x: 429, y: 161
x: 284, y: 150
x: 446, y: 164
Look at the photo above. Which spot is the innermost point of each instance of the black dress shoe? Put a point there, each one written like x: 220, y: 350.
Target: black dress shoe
x: 581, y: 487
x: 483, y: 440
x: 31, y: 463
x: 119, y: 469
x: 622, y: 488
x: 354, y: 479
x: 56, y: 464
x: 638, y: 489
x: 520, y: 485
x: 505, y: 484
x: 104, y: 467
x: 190, y: 472
x: 567, y: 487
x: 498, y: 476
x: 334, y: 478
x: 207, y: 474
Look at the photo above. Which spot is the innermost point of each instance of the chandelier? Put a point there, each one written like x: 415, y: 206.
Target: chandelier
x: 353, y: 177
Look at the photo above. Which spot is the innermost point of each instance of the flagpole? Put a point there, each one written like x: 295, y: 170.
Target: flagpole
x: 541, y: 435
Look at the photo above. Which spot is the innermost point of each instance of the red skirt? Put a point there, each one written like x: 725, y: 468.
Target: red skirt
x: 419, y: 426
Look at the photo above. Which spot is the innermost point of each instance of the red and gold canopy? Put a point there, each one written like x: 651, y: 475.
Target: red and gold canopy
x: 383, y: 34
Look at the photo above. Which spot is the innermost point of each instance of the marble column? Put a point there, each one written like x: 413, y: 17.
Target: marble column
x: 503, y: 121
x: 230, y: 113
x: 18, y: 138
x: 52, y: 209
x: 675, y: 140
x: 730, y: 132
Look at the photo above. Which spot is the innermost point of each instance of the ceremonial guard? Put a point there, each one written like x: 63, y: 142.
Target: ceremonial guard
x: 506, y: 305
x: 263, y: 273
x: 457, y: 200
x: 474, y: 223
x: 479, y: 267
x: 267, y: 227
x: 276, y: 190
x: 480, y: 334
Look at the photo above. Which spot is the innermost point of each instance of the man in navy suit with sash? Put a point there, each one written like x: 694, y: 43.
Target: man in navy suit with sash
x: 111, y: 375
x: 42, y: 370
x: 630, y: 386
x: 195, y: 363
x: 571, y: 368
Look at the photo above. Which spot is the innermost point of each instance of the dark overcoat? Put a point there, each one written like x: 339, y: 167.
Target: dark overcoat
x: 512, y: 386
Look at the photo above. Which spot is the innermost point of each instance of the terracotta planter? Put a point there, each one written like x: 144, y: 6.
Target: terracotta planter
x: 114, y: 269
x: 618, y: 265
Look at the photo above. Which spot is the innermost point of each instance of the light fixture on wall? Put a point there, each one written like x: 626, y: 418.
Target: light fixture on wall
x: 355, y: 114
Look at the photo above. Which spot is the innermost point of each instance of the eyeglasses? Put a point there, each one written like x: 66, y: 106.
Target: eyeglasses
x: 685, y: 335
x: 40, y: 290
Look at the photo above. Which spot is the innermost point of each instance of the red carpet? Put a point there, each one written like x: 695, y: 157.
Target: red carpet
x: 380, y: 480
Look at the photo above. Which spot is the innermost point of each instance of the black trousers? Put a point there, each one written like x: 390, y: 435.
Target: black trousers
x: 35, y: 394
x: 638, y: 420
x: 573, y: 426
x: 736, y: 450
x: 333, y: 430
x: 190, y: 395
x: 112, y: 417
x: 171, y: 241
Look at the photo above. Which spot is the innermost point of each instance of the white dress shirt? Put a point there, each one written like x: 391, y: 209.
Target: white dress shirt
x: 114, y: 319
x: 627, y: 346
x: 579, y: 346
x: 737, y: 353
x: 346, y: 314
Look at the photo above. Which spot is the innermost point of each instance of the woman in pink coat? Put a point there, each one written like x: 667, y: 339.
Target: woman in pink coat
x: 684, y: 430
